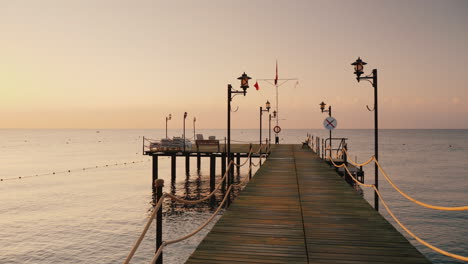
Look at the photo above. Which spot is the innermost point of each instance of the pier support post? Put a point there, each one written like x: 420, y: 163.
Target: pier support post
x: 187, y: 164
x: 159, y: 184
x: 198, y: 161
x: 173, y: 167
x: 231, y: 171
x: 223, y: 170
x: 238, y: 163
x: 155, y: 176
x: 212, y: 177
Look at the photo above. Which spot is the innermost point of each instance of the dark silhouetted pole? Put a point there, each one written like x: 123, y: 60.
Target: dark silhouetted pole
x: 359, y: 70
x: 244, y: 85
x: 168, y: 118
x: 212, y: 178
x: 194, y: 120
x: 269, y: 130
x: 185, y: 116
x: 159, y: 184
x: 260, y: 138
x: 267, y: 106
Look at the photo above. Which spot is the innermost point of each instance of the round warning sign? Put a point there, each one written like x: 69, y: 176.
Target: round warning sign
x: 277, y: 129
x: 330, y: 123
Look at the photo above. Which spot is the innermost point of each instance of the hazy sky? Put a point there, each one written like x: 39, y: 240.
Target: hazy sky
x: 128, y: 64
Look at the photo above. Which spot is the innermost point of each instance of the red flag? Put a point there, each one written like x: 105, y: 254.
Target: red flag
x: 276, y: 78
x: 256, y: 86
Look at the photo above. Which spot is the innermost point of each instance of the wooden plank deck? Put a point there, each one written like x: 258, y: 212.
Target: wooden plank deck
x: 298, y: 210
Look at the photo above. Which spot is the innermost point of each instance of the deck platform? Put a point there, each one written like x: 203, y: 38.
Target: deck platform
x: 296, y: 209
x: 205, y: 150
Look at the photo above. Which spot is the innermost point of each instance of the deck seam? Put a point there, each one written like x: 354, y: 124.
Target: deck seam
x: 300, y: 205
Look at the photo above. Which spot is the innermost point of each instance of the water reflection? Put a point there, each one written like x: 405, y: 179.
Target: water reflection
x: 196, y: 186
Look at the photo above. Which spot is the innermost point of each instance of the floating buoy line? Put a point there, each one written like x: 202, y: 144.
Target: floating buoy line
x: 70, y: 171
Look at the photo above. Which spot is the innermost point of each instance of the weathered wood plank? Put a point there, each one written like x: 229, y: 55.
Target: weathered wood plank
x: 297, y: 209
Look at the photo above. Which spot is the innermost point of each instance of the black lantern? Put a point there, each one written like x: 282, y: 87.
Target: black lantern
x: 322, y: 106
x: 244, y: 82
x: 274, y: 114
x: 358, y: 67
x: 267, y: 105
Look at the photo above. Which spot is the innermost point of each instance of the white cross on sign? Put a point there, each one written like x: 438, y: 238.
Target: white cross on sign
x: 330, y: 123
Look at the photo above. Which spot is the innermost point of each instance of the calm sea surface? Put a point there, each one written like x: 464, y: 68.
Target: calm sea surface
x: 84, y: 195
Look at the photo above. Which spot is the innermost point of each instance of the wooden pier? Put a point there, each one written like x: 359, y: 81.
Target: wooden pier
x: 296, y: 209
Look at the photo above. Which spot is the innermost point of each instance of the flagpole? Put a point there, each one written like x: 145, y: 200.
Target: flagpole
x: 277, y: 113
x: 277, y: 95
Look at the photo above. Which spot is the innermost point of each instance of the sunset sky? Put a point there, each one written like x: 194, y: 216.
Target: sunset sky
x: 128, y: 64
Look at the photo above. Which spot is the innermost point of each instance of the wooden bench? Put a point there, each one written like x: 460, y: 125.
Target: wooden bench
x: 212, y: 142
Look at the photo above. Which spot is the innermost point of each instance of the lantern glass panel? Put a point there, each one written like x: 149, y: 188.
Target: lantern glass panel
x: 359, y: 67
x: 322, y: 106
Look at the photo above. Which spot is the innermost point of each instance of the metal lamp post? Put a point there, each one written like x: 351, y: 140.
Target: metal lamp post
x: 267, y: 106
x: 329, y: 111
x: 372, y: 78
x: 269, y: 130
x: 167, y: 119
x: 230, y: 95
x: 185, y: 116
x: 194, y: 120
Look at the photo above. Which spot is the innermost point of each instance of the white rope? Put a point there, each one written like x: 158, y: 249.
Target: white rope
x: 400, y: 224
x: 164, y: 244
x: 148, y: 223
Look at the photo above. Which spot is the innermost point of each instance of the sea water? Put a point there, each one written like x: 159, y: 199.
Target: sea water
x: 83, y: 196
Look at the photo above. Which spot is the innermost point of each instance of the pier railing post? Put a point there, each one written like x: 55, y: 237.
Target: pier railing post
x: 212, y: 178
x: 223, y: 170
x: 155, y: 176
x: 229, y: 179
x: 345, y: 154
x: 250, y: 161
x: 159, y: 184
x: 231, y: 171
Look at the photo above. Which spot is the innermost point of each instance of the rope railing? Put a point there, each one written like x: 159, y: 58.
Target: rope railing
x: 247, y: 159
x: 166, y: 243
x: 173, y: 197
x: 441, y: 251
x: 259, y: 161
x: 435, y: 207
x: 158, y: 206
x: 337, y: 155
x: 443, y: 208
x: 218, y: 186
x: 145, y: 230
x: 259, y: 149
